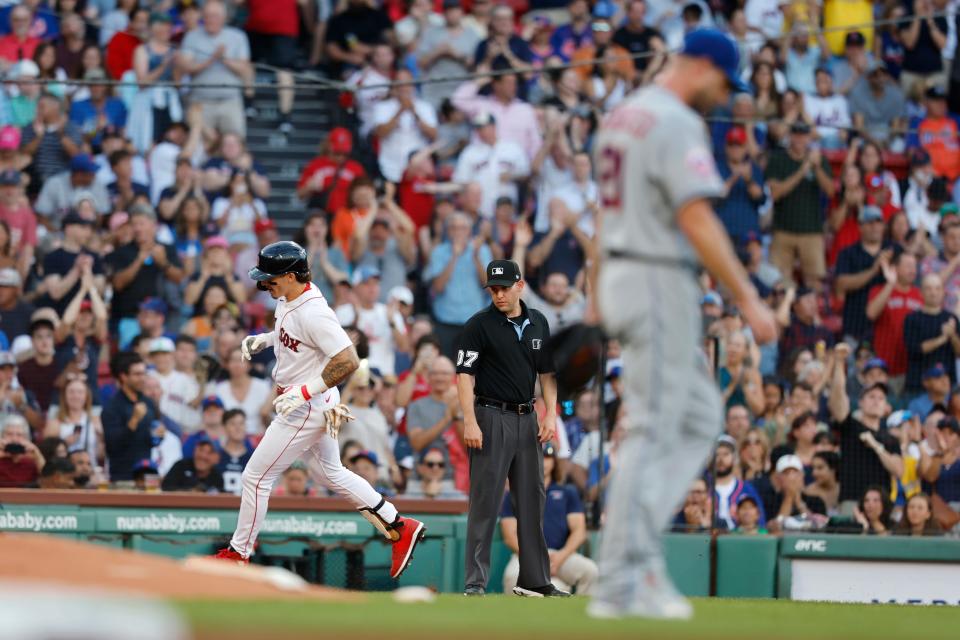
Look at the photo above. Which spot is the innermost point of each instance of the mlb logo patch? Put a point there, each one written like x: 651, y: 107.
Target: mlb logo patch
x: 535, y: 343
x: 497, y: 271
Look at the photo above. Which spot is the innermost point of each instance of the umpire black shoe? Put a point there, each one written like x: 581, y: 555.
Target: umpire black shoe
x: 474, y: 591
x: 548, y: 591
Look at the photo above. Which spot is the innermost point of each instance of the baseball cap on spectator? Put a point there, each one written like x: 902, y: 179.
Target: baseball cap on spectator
x: 86, y: 305
x: 95, y: 74
x: 855, y: 39
x: 451, y: 4
x: 936, y: 371
x: 746, y: 497
x: 543, y: 23
x: 720, y: 49
x: 10, y: 277
x: 949, y: 423
x: 789, y: 461
x: 401, y: 294
x: 211, y: 401
x: 604, y: 10
x: 711, y: 297
x: 83, y: 163
x: 483, y: 119
x: 204, y: 438
x: 369, y: 455
x: 897, y: 418
x: 160, y: 16
x: 9, y: 178
x: 936, y: 92
x: 948, y: 209
x: 752, y: 236
x: 919, y: 157
x: 803, y: 290
x: 876, y: 385
x: 340, y: 140
x: 727, y: 441
x: 118, y: 219
x: 144, y: 466
x: 7, y: 359
x: 25, y: 69
x: 154, y: 304
x: 870, y: 214
x: 45, y: 314
x: 363, y: 274
x: 875, y: 363
x: 9, y: 138
x: 162, y: 344
x: 216, y: 241
x: 737, y: 135
x: 800, y: 127
x: 263, y: 224
x: 73, y: 217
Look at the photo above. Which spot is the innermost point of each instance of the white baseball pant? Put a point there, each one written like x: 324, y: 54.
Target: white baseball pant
x: 284, y: 442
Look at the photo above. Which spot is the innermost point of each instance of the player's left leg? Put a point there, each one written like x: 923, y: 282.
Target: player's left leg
x: 404, y: 533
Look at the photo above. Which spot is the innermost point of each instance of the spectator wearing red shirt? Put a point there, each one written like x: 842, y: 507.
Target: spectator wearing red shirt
x: 325, y: 182
x: 119, y: 51
x: 15, y: 211
x: 20, y: 460
x: 889, y: 305
x: 938, y: 135
x: 413, y: 384
x: 415, y: 194
x: 273, y: 27
x: 18, y: 44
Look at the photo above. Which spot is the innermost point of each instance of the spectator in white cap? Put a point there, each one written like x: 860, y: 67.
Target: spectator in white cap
x: 495, y: 163
x: 23, y: 105
x: 791, y: 500
x: 181, y: 394
x: 15, y: 312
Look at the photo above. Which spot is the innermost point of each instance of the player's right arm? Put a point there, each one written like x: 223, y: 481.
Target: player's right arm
x: 340, y: 366
x: 709, y: 239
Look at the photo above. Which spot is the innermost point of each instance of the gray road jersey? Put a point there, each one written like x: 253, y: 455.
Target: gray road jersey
x: 653, y: 155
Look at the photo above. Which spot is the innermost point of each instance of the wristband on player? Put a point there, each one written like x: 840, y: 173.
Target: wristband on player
x: 313, y: 388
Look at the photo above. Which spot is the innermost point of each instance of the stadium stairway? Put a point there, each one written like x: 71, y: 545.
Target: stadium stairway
x: 284, y: 156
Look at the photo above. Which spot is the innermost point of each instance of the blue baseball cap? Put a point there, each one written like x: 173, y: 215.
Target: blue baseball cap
x: 718, y: 48
x: 211, y: 401
x: 154, y: 304
x: 875, y: 363
x: 83, y: 163
x: 711, y: 297
x: 936, y: 371
x: 604, y: 10
x: 363, y: 274
x: 369, y: 455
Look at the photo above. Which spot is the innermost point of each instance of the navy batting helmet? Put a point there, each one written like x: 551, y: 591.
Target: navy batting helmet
x: 278, y: 259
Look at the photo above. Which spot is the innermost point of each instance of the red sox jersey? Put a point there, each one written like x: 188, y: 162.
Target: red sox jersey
x: 307, y: 336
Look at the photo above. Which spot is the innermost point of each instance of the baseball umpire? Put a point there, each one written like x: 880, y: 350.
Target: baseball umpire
x: 501, y: 351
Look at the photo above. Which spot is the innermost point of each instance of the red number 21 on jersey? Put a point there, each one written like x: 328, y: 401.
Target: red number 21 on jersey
x: 610, y: 178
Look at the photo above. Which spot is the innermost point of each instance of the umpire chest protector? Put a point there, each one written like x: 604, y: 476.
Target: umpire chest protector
x: 505, y: 354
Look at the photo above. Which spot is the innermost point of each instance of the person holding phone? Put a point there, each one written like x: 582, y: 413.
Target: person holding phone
x: 20, y: 460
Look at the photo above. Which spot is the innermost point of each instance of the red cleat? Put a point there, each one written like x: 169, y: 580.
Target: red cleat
x: 411, y: 532
x: 228, y: 554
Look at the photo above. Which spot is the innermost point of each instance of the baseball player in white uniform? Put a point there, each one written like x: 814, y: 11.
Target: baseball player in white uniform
x: 314, y: 355
x: 656, y: 175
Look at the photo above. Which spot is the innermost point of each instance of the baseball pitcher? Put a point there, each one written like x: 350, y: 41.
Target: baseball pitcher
x: 656, y: 175
x: 314, y: 355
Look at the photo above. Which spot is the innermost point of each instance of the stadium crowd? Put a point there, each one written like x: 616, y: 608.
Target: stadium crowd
x: 131, y: 207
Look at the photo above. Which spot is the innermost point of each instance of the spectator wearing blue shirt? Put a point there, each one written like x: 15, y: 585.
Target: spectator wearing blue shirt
x: 801, y: 60
x: 575, y: 34
x: 739, y: 210
x: 936, y: 387
x: 728, y: 487
x: 564, y: 528
x: 456, y: 274
x: 94, y: 115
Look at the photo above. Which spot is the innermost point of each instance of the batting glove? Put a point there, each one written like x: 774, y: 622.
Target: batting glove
x: 336, y: 417
x: 288, y: 402
x: 255, y: 344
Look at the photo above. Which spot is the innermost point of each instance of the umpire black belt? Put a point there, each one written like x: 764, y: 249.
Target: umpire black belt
x: 660, y: 261
x: 510, y: 407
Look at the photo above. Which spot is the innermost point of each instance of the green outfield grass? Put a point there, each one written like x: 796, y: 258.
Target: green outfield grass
x: 454, y: 617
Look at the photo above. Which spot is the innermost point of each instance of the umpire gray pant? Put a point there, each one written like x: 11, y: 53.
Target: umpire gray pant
x: 511, y: 449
